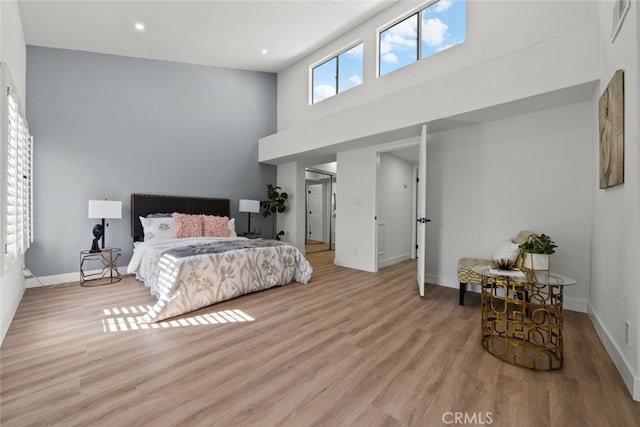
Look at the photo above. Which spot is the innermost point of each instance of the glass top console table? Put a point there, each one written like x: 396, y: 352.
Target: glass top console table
x: 106, y: 262
x: 522, y: 318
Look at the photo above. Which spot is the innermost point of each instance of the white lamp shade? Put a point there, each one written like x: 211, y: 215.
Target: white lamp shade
x: 249, y: 206
x: 105, y: 209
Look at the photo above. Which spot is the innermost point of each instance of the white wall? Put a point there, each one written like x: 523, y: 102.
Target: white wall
x: 394, y: 196
x: 484, y: 184
x: 615, y: 295
x: 13, y: 53
x: 495, y: 29
x: 487, y: 182
x: 13, y: 50
x: 355, y: 200
x: 530, y: 52
x: 552, y: 65
x: 356, y: 245
x: 291, y: 180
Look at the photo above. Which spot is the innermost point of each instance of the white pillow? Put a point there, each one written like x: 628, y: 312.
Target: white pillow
x: 232, y: 228
x: 506, y: 249
x: 157, y: 228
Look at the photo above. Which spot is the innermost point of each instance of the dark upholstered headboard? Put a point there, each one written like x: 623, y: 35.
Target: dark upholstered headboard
x: 144, y: 204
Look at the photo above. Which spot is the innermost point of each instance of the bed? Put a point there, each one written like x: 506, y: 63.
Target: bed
x: 193, y: 271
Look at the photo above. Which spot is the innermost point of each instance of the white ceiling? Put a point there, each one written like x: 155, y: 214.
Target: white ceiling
x: 222, y: 33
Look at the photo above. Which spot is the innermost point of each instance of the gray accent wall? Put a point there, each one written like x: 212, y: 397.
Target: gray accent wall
x: 107, y: 126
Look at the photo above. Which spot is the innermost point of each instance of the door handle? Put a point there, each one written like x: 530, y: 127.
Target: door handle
x: 423, y: 220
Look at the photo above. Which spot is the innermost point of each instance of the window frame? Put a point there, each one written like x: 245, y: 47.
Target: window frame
x: 418, y: 10
x: 399, y: 21
x: 336, y: 55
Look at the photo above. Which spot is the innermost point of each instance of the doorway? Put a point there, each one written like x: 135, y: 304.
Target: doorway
x: 389, y: 184
x: 395, y: 206
x: 319, y: 210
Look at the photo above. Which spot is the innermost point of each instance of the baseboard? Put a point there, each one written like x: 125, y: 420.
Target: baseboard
x: 631, y: 380
x: 350, y: 264
x: 60, y: 279
x: 393, y: 260
x: 575, y: 304
x: 571, y: 304
x: 449, y: 282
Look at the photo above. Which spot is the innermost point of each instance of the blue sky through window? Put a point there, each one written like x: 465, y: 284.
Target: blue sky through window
x: 398, y: 45
x: 347, y: 65
x: 443, y: 26
x: 350, y: 68
x: 324, y: 80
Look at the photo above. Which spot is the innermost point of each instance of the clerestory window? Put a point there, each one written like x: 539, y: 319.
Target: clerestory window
x: 337, y: 74
x: 435, y: 28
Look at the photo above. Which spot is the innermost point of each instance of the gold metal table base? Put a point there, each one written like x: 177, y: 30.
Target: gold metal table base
x: 522, y: 322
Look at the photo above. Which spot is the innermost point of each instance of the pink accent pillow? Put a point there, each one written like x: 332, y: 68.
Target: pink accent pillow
x: 187, y: 225
x: 216, y: 226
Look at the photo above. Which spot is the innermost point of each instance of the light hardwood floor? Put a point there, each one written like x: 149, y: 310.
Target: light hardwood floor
x: 315, y: 246
x: 350, y: 348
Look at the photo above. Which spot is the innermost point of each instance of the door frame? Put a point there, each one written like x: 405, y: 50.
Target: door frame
x: 327, y: 206
x: 414, y: 212
x: 410, y: 142
x: 422, y: 220
x: 309, y: 185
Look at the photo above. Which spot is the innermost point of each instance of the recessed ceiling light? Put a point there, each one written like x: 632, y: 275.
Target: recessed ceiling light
x: 139, y: 26
x: 265, y: 51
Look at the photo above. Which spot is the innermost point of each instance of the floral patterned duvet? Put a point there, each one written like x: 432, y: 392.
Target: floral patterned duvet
x: 188, y: 274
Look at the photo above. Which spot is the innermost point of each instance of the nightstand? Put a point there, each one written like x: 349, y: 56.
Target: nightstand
x: 106, y: 270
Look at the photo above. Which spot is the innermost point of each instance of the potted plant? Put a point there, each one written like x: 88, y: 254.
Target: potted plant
x: 276, y: 202
x: 535, y: 251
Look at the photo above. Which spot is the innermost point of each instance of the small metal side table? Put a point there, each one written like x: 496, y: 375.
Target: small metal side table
x: 107, y: 271
x: 522, y: 319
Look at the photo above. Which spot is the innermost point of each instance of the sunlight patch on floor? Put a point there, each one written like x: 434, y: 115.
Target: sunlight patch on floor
x: 120, y: 319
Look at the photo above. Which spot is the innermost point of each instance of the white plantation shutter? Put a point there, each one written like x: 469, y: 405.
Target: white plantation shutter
x: 12, y: 175
x: 23, y: 186
x: 18, y: 219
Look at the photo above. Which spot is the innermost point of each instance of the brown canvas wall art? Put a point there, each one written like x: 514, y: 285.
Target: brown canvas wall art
x: 611, y: 123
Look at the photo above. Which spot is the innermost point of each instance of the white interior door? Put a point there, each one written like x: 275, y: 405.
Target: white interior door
x: 422, y: 209
x: 315, y: 231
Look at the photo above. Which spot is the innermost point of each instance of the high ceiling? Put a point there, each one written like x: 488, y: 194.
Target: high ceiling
x: 223, y: 33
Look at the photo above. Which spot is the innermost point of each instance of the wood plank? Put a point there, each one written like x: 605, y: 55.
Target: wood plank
x: 349, y: 348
